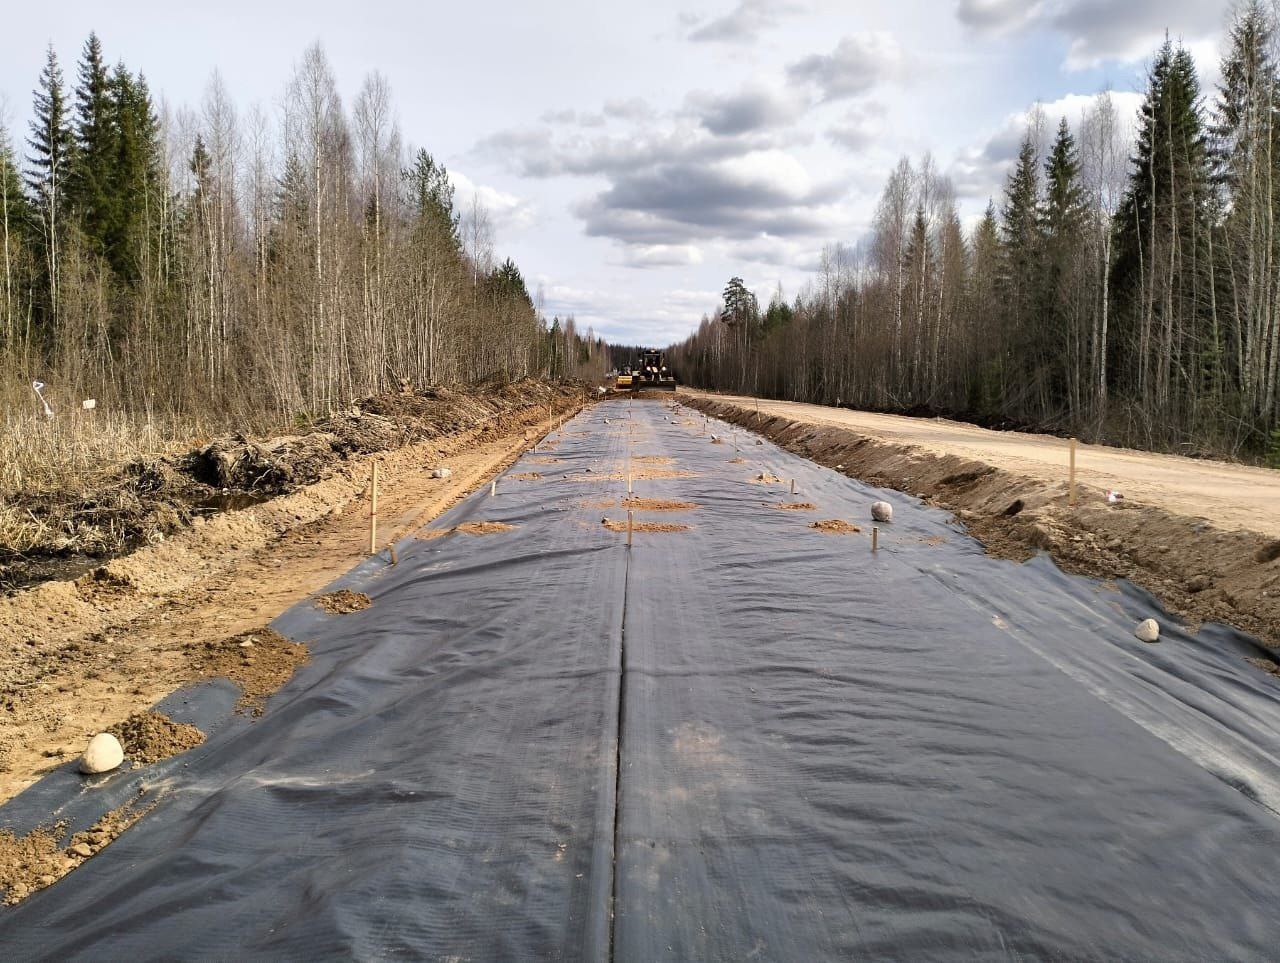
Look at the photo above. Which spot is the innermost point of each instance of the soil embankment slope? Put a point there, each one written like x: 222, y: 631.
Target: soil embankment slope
x: 1203, y: 536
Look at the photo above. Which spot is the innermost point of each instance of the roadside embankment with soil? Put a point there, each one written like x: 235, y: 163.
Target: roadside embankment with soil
x: 1218, y: 563
x: 77, y: 656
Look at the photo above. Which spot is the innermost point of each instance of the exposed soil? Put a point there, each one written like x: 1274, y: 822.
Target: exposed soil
x: 835, y: 526
x: 78, y: 656
x: 61, y: 534
x: 653, y: 459
x: 639, y: 474
x: 148, y: 737
x: 1201, y: 569
x: 484, y: 528
x: 343, y: 602
x: 259, y: 662
x: 30, y: 863
x: 657, y: 505
x: 796, y: 506
x: 467, y: 528
x: 765, y: 478
x: 526, y: 476
x: 614, y: 525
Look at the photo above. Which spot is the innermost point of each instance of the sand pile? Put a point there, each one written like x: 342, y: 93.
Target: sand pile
x: 343, y: 602
x: 657, y: 505
x: 32, y: 862
x: 836, y: 526
x: 614, y: 525
x: 148, y: 737
x: 259, y: 662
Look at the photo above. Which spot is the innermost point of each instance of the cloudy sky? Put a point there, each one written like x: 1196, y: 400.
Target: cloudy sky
x: 636, y: 155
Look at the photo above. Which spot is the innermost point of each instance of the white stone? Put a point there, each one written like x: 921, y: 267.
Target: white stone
x: 1148, y: 630
x: 442, y: 473
x: 882, y: 512
x: 102, y: 754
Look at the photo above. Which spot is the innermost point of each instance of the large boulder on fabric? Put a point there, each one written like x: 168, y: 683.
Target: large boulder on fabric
x: 103, y: 754
x: 1148, y: 630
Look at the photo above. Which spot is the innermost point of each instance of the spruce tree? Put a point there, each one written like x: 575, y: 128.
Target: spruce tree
x: 135, y: 172
x: 15, y: 226
x: 91, y: 175
x: 1162, y: 273
x: 52, y: 148
x: 1020, y: 277
x: 1246, y: 156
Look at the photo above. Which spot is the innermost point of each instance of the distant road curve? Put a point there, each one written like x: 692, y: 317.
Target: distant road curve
x: 1229, y: 496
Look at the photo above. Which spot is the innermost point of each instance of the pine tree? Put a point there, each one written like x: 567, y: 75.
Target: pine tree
x: 431, y: 199
x: 52, y: 148
x: 90, y: 176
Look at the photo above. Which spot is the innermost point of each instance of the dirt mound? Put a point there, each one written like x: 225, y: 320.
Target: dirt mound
x: 614, y: 525
x: 64, y: 533
x: 148, y: 737
x: 836, y: 526
x: 259, y: 662
x: 795, y: 506
x: 526, y: 476
x: 484, y: 528
x: 468, y: 528
x: 766, y: 478
x: 343, y: 602
x: 30, y: 863
x: 657, y: 505
x: 1199, y: 571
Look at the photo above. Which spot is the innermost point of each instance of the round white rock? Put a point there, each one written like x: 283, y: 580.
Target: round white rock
x: 102, y: 754
x: 882, y: 512
x: 1148, y: 630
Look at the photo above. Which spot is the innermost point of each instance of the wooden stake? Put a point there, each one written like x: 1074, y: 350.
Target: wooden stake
x: 793, y: 486
x: 493, y: 488
x: 630, y: 523
x: 875, y: 538
x: 393, y: 555
x: 373, y: 512
x: 1071, y: 477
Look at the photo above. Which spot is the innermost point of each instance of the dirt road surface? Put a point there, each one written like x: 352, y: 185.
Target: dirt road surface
x: 1230, y: 496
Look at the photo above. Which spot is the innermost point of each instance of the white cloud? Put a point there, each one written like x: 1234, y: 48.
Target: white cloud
x: 1100, y: 31
x: 509, y: 212
x: 661, y: 255
x: 858, y: 63
x: 979, y: 170
x: 744, y: 23
x: 753, y: 108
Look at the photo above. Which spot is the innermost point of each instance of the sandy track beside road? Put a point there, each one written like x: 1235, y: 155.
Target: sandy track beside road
x: 1229, y: 496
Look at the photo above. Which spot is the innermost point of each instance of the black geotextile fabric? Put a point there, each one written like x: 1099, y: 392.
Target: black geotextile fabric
x: 919, y: 754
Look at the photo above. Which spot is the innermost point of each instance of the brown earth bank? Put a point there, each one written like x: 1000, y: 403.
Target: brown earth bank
x: 64, y: 532
x: 1199, y: 570
x: 79, y: 656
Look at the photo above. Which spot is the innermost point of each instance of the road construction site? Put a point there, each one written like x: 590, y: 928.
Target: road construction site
x: 666, y: 690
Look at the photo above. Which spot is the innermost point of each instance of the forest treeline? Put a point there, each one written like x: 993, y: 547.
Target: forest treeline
x: 179, y: 263
x: 1125, y: 292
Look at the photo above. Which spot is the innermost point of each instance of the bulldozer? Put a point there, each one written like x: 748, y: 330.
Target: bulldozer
x: 649, y: 374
